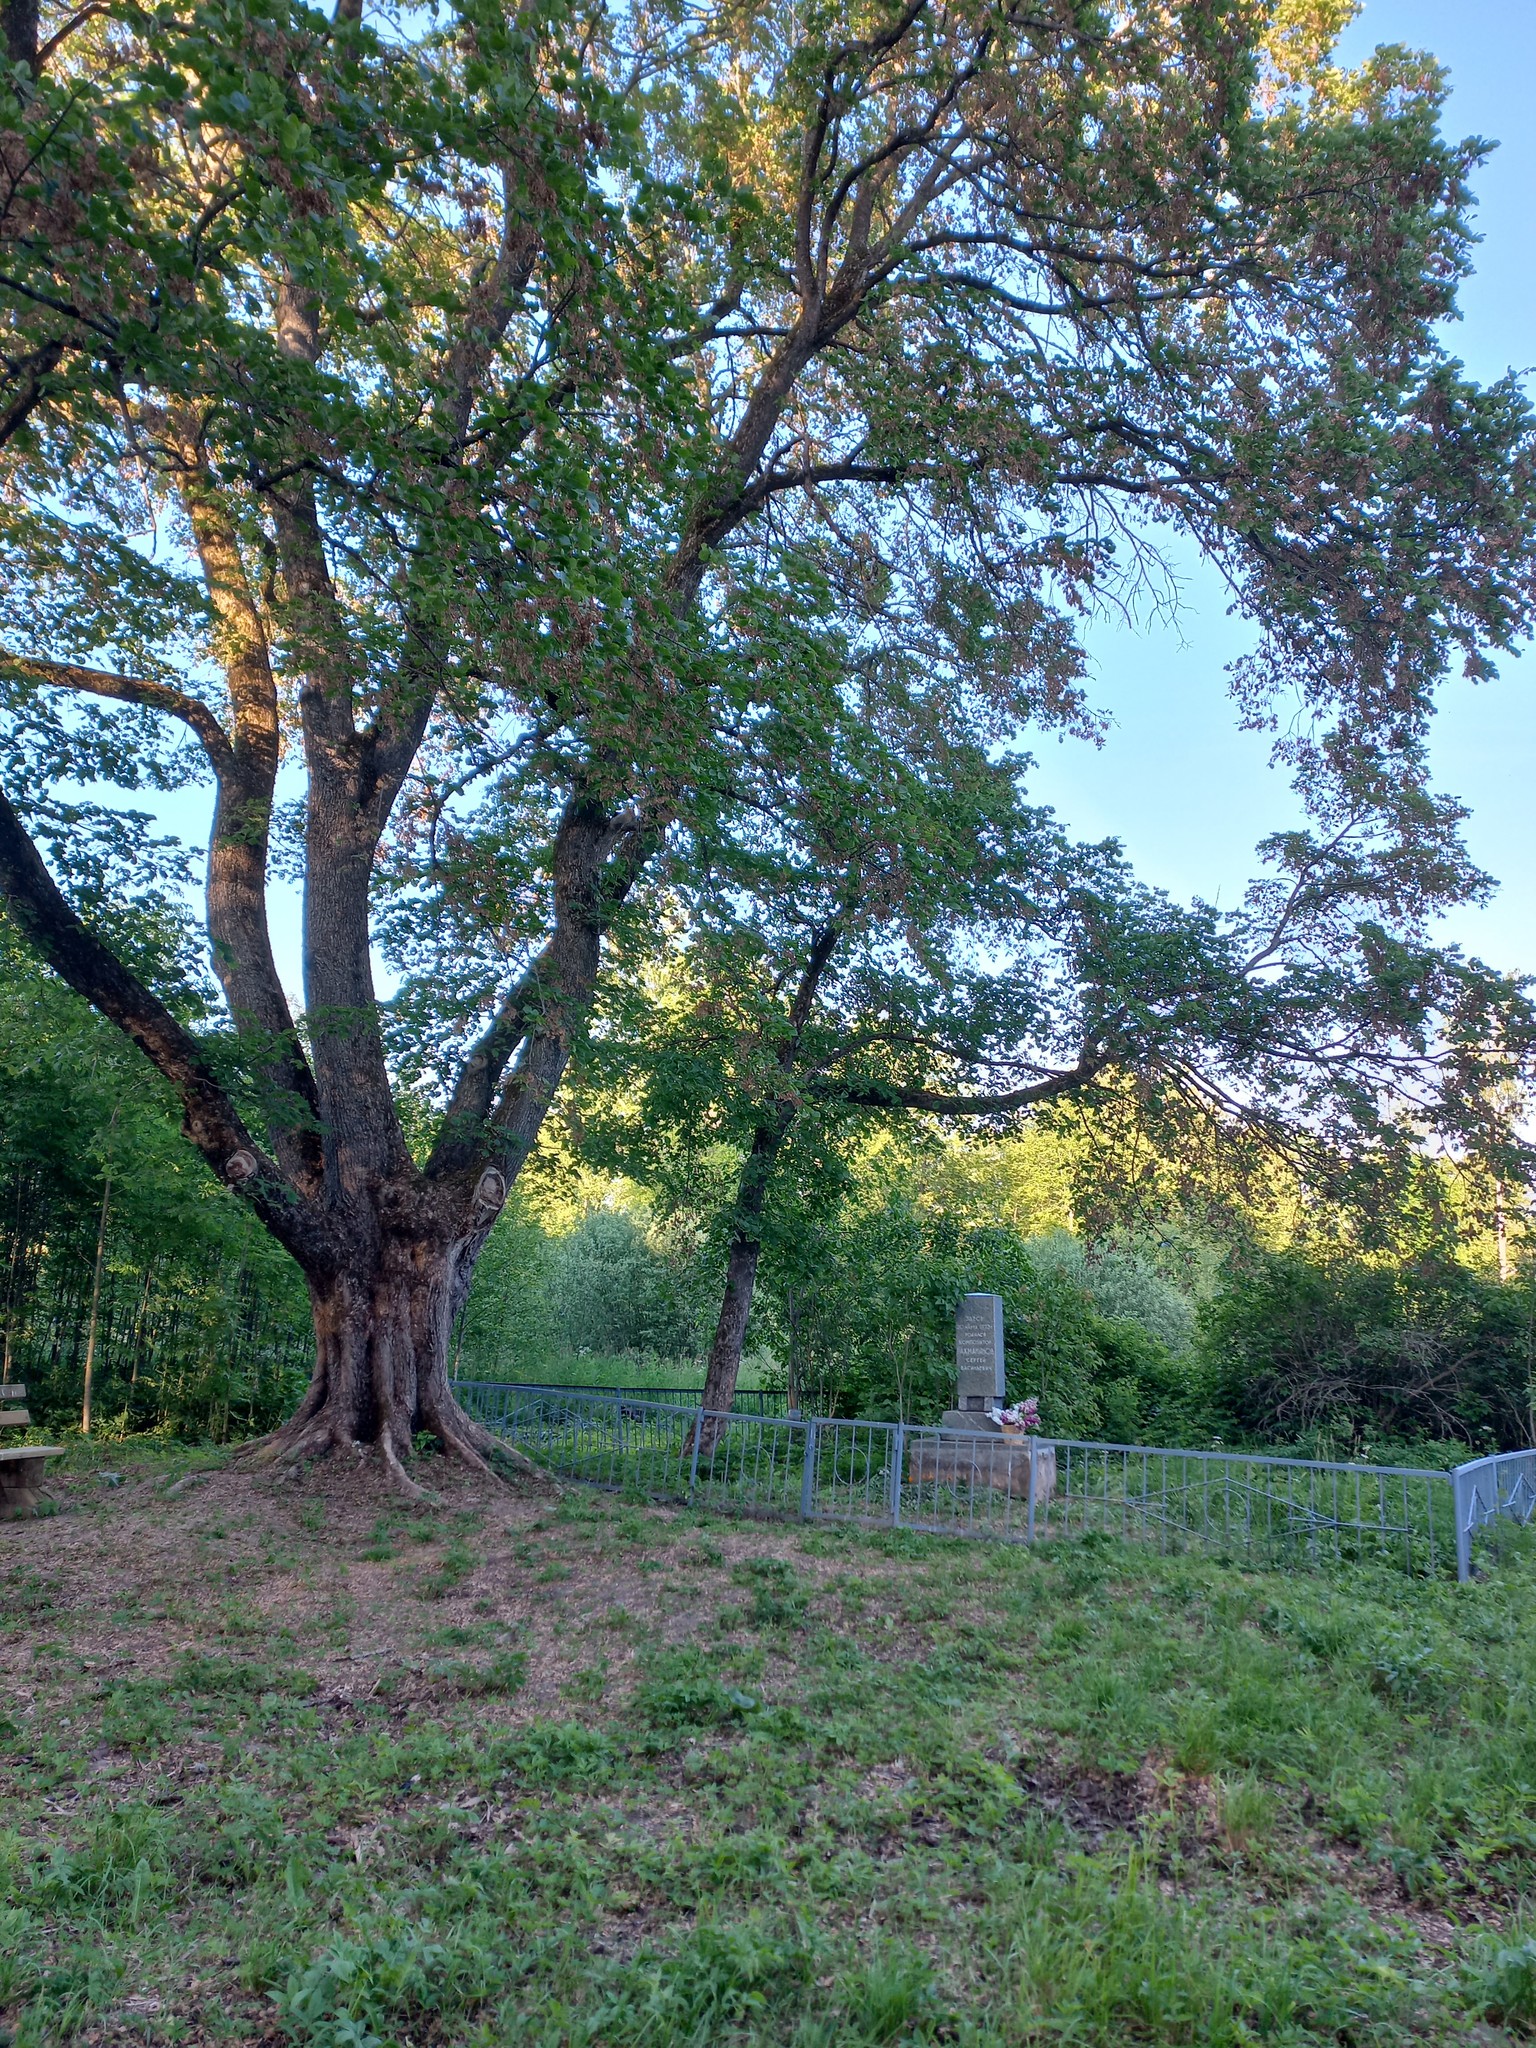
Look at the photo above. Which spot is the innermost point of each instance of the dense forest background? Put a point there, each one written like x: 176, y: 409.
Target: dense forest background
x: 1213, y: 1319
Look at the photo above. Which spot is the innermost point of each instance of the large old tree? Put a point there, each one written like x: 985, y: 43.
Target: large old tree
x: 406, y: 429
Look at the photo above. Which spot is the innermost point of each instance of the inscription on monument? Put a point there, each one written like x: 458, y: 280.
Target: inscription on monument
x: 979, y: 1352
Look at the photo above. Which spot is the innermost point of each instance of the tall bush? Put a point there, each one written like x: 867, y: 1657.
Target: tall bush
x: 611, y: 1290
x: 1120, y: 1285
x: 1293, y: 1346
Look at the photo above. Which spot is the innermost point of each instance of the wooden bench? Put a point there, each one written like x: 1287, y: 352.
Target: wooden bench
x: 21, y: 1470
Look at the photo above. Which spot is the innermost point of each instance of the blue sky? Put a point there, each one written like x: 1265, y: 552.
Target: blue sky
x: 1188, y: 794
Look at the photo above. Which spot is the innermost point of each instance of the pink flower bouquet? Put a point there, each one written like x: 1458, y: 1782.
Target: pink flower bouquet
x: 1020, y: 1419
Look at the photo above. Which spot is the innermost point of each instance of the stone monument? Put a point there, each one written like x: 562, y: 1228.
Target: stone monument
x: 1014, y: 1466
x: 980, y: 1385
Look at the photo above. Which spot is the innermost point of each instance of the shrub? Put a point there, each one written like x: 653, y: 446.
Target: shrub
x: 1120, y: 1287
x: 1293, y: 1346
x: 610, y: 1291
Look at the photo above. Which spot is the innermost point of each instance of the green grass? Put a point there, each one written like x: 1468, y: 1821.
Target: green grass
x: 620, y: 1369
x: 736, y: 1784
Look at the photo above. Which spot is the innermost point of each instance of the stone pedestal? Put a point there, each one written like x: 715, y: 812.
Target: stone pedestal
x: 977, y: 1424
x: 990, y: 1459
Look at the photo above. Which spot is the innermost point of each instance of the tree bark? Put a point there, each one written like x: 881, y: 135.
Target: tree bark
x: 20, y: 22
x: 245, y: 771
x: 752, y: 1195
x: 382, y: 1329
x: 724, y: 1367
x: 731, y: 1328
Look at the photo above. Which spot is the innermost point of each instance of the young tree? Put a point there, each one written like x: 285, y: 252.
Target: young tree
x: 831, y: 957
x: 909, y: 936
x: 397, y: 399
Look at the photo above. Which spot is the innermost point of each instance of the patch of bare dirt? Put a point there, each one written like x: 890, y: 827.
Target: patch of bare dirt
x: 331, y: 1574
x: 1093, y: 1805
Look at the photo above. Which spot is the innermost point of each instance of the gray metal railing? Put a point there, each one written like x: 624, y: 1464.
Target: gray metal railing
x: 881, y: 1474
x: 1490, y: 1491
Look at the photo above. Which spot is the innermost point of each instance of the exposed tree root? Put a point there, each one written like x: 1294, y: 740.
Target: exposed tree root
x: 498, y: 1450
x: 396, y: 1474
x: 251, y: 1457
x: 289, y: 1445
x: 455, y: 1447
x: 181, y: 1485
x: 274, y: 1448
x: 474, y: 1445
x: 527, y: 1469
x: 313, y: 1435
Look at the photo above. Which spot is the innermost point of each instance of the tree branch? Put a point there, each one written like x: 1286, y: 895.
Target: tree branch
x: 210, y: 1119
x: 893, y: 1095
x: 100, y: 682
x: 242, y: 822
x: 775, y: 480
x: 32, y: 370
x: 474, y: 1092
x: 62, y: 35
x: 597, y: 861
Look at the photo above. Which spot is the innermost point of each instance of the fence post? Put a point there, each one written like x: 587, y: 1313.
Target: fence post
x: 808, y: 1476
x: 898, y: 1458
x: 1029, y: 1511
x: 693, y: 1469
x: 1463, y: 1492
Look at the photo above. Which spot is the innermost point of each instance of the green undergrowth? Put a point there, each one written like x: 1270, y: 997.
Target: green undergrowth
x: 780, y: 1786
x: 617, y: 1369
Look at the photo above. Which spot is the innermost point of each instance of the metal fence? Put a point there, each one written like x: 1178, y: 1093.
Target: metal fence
x: 1492, y: 1494
x: 1233, y: 1504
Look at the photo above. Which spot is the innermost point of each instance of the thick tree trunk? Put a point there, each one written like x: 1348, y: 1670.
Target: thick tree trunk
x: 381, y: 1368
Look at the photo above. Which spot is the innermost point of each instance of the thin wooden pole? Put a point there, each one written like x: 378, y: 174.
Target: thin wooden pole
x: 141, y: 1316
x: 11, y: 1289
x: 101, y: 1247
x: 90, y: 1337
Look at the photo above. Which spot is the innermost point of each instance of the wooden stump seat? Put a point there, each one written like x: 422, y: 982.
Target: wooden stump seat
x: 21, y: 1469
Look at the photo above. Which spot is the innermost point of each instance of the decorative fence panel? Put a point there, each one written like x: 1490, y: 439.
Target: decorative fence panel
x: 1231, y: 1504
x: 1491, y: 1492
